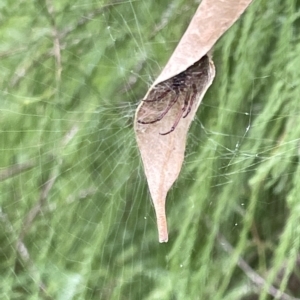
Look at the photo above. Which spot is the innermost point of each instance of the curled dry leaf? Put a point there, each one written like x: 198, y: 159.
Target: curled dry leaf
x: 162, y: 123
x: 211, y: 20
x: 164, y: 116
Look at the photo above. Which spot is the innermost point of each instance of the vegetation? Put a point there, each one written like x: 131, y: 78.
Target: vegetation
x: 76, y: 217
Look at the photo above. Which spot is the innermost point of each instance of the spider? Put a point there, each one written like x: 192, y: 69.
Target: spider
x: 186, y: 85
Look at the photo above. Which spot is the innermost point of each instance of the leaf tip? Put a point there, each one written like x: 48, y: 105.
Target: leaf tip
x: 162, y: 228
x: 163, y: 240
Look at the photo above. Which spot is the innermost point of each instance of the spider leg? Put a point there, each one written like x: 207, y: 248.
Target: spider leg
x: 163, y: 113
x: 191, y: 102
x: 161, y: 96
x: 179, y: 116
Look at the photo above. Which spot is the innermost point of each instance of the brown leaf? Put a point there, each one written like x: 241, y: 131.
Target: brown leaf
x: 162, y: 151
x: 164, y: 116
x: 210, y: 22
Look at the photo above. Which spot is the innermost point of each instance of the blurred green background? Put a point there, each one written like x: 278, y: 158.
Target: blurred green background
x: 76, y: 219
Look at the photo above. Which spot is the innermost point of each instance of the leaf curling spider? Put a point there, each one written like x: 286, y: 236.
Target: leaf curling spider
x: 187, y: 85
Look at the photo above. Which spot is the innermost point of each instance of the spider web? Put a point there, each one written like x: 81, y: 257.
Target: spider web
x: 76, y: 216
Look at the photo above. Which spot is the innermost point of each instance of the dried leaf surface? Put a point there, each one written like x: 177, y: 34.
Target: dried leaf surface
x: 164, y: 116
x: 210, y: 22
x: 162, y: 153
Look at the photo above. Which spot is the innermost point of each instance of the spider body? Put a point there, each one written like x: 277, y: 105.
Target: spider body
x: 184, y: 87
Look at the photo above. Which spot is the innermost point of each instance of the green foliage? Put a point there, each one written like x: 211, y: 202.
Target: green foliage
x: 76, y: 217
